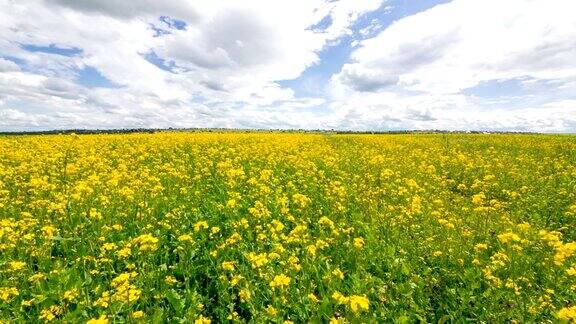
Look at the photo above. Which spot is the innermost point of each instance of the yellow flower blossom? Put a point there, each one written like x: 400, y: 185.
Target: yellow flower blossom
x: 185, y: 238
x: 70, y: 295
x: 6, y: 293
x: 202, y: 320
x: 301, y: 200
x: 100, y: 320
x: 16, y: 265
x: 244, y: 295
x: 567, y: 314
x: 339, y: 298
x: 313, y: 298
x: 37, y: 277
x: 358, y: 303
x: 359, y: 242
x: 170, y: 280
x: 338, y: 273
x: 257, y: 260
x: 49, y: 314
x: 280, y: 281
x: 200, y: 225
x: 478, y: 199
x: 228, y: 265
x: 271, y: 310
x: 480, y: 247
x: 146, y: 243
x: 508, y: 237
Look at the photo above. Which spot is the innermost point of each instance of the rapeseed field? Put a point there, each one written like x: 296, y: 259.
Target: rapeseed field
x: 287, y: 228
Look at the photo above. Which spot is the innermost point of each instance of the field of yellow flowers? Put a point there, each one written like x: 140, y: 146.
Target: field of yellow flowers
x: 271, y: 227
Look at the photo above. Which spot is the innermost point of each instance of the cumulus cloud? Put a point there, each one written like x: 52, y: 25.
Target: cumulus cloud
x: 447, y: 51
x: 460, y: 44
x: 8, y: 66
x: 87, y: 63
x: 131, y: 9
x: 215, y: 54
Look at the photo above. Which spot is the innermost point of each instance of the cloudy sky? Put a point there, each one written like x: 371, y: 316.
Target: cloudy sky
x: 312, y: 64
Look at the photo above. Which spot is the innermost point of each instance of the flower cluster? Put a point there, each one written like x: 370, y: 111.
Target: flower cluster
x: 287, y: 228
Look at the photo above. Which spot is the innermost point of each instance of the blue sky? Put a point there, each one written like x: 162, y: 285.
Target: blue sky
x: 354, y: 65
x: 332, y: 58
x: 52, y: 49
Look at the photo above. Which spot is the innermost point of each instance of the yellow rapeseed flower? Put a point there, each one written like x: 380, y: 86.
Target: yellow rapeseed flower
x: 100, y: 320
x: 228, y: 265
x: 200, y: 225
x: 280, y: 281
x: 358, y: 303
x: 567, y: 314
x: 359, y: 242
x: 202, y: 320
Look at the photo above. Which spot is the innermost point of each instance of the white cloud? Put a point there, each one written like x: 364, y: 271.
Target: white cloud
x: 131, y: 9
x: 417, y: 68
x: 8, y: 66
x: 457, y: 45
x: 228, y: 54
x: 239, y: 51
x: 223, y: 69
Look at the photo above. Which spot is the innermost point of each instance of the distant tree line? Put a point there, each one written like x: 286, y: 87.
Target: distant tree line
x: 320, y: 131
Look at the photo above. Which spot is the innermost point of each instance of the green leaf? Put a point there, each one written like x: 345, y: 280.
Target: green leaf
x: 158, y: 316
x: 444, y: 319
x: 175, y: 301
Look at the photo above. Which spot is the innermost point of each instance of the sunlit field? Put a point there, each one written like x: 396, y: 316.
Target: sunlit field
x: 264, y: 227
